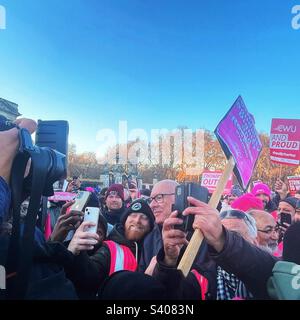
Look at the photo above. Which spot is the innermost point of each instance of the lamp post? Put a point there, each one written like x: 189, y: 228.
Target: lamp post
x: 155, y: 180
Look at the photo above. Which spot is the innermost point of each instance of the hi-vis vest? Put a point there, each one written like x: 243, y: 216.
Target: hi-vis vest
x: 121, y: 257
x: 203, y: 283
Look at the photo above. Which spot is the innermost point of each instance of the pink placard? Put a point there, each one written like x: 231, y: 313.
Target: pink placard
x: 210, y: 180
x: 238, y: 137
x: 62, y: 196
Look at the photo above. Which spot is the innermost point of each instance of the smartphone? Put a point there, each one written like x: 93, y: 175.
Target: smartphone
x: 285, y: 218
x: 91, y: 214
x: 81, y: 200
x: 181, y: 203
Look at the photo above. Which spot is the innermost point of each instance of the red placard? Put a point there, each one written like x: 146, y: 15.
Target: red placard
x: 210, y: 180
x: 285, y: 141
x: 294, y: 184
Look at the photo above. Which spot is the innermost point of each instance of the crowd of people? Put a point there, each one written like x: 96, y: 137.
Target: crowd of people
x: 137, y: 248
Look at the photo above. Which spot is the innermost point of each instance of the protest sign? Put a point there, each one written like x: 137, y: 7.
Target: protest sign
x: 210, y: 180
x: 294, y: 184
x: 62, y: 196
x: 241, y: 144
x: 238, y: 137
x: 285, y: 141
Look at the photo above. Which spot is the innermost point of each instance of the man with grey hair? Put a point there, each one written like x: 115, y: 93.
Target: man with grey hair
x: 222, y: 285
x: 161, y: 200
x: 267, y: 230
x: 228, y: 284
x: 236, y: 269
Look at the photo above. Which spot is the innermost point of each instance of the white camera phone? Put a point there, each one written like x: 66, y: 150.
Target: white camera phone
x: 91, y: 214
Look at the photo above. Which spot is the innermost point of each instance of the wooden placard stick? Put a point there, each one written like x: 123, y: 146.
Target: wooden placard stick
x: 197, y: 238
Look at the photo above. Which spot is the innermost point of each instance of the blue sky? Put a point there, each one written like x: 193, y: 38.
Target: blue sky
x: 156, y: 64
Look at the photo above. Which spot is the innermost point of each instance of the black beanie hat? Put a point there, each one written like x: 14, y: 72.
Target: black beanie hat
x: 118, y: 188
x: 291, y: 241
x: 127, y: 285
x: 291, y: 201
x: 139, y: 205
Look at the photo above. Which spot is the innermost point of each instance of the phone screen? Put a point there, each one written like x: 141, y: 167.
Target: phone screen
x: 285, y: 218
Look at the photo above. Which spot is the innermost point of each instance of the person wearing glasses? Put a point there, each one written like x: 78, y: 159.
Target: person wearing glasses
x: 237, y: 268
x: 267, y: 230
x: 286, y: 217
x: 161, y: 199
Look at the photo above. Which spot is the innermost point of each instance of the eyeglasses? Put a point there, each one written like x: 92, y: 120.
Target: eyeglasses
x: 159, y: 198
x: 269, y: 230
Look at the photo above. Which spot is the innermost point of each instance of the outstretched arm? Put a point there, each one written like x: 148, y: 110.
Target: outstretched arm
x: 9, y: 143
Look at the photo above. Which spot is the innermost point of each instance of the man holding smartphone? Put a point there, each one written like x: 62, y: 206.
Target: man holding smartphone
x: 287, y: 211
x: 161, y: 200
x: 92, y: 262
x: 286, y: 217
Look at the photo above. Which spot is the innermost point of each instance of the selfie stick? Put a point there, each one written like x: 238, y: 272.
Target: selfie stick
x: 197, y: 238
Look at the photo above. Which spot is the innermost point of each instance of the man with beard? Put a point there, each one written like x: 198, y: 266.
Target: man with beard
x: 90, y: 262
x: 287, y: 209
x: 221, y: 284
x: 267, y: 230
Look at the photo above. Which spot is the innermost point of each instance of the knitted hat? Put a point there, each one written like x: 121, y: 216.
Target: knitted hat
x: 246, y: 202
x: 140, y: 206
x: 261, y: 188
x: 291, y: 201
x: 118, y: 188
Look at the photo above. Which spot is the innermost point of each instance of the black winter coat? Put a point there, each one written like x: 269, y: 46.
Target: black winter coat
x: 152, y: 244
x: 88, y: 270
x: 252, y: 265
